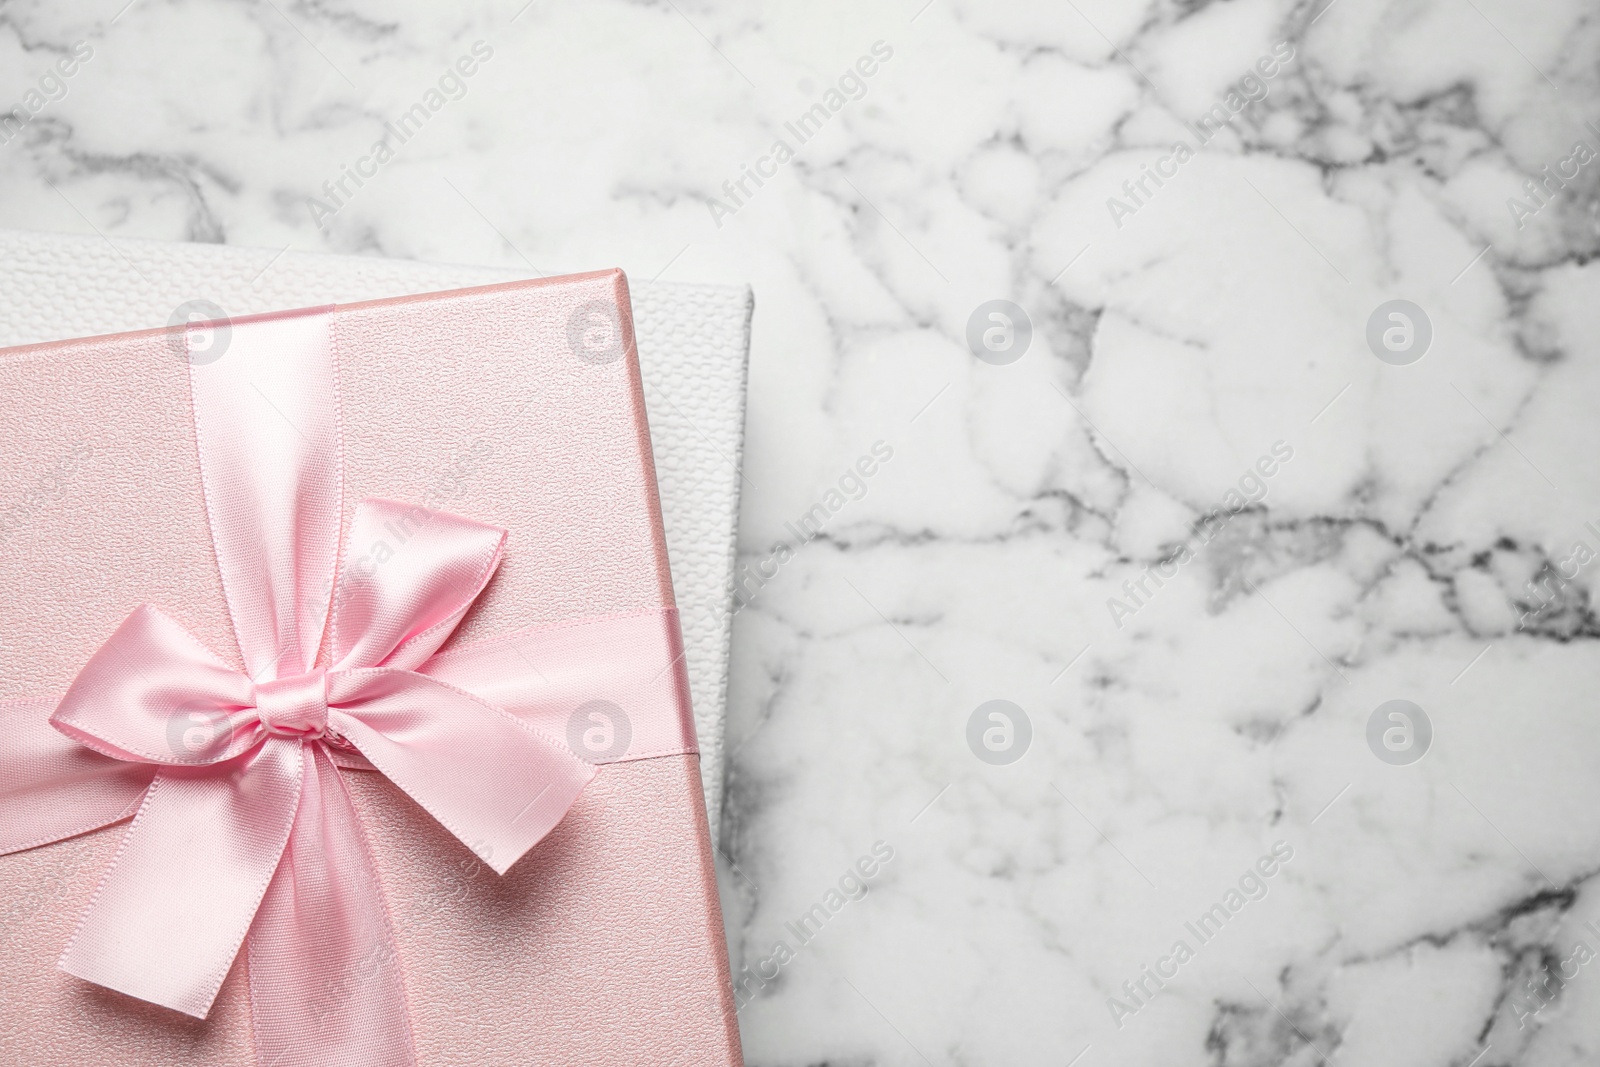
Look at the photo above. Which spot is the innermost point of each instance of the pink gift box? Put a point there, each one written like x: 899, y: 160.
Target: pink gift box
x: 603, y: 944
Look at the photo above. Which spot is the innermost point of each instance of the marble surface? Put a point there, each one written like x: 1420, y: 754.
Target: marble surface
x: 1199, y: 533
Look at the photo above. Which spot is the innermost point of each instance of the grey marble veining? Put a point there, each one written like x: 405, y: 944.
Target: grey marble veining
x: 1229, y: 505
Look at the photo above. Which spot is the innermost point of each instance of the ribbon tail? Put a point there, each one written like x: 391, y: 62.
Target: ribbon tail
x: 52, y: 788
x: 169, y: 916
x: 496, y: 783
x: 325, y: 985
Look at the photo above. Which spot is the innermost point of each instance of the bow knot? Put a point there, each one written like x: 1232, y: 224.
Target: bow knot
x: 294, y: 707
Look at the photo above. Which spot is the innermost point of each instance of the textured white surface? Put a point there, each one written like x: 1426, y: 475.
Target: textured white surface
x: 693, y: 341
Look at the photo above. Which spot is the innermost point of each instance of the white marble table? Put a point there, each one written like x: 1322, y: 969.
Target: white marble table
x: 1199, y: 692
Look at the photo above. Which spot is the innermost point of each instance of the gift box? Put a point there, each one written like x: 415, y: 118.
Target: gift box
x: 693, y: 342
x: 693, y: 347
x: 415, y: 543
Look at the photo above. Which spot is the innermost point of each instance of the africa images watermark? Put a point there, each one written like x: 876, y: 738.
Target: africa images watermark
x: 1251, y: 489
x: 1252, y: 886
x: 1249, y: 89
x: 452, y: 85
x: 52, y: 86
x: 1544, y: 986
x: 380, y: 961
x: 851, y: 85
x: 48, y: 486
x: 851, y: 486
x: 1547, y: 590
x: 852, y: 885
x: 363, y: 563
x: 444, y: 485
x: 1546, y: 187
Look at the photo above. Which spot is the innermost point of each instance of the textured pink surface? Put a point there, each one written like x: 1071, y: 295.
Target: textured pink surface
x: 604, y: 944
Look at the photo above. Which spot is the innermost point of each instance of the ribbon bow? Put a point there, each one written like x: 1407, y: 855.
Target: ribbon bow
x: 242, y: 763
x: 243, y: 830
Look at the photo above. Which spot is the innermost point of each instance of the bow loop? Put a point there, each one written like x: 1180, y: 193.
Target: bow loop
x: 54, y: 788
x: 154, y: 694
x: 407, y: 579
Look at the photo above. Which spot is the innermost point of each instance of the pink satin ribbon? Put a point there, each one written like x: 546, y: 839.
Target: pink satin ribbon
x: 242, y: 826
